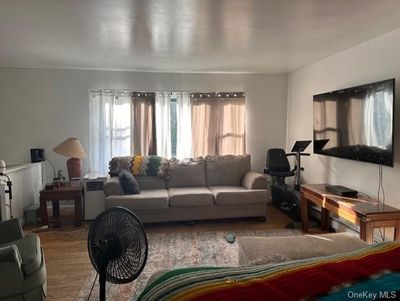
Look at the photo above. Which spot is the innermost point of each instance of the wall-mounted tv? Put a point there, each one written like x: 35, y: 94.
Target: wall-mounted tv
x: 356, y: 123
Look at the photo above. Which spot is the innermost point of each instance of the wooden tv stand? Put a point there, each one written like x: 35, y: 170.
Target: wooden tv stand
x: 363, y: 211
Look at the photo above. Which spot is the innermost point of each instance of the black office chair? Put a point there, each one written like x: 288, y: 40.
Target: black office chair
x: 278, y: 165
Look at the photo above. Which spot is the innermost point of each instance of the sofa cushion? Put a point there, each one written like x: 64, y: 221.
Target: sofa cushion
x: 226, y: 170
x: 128, y: 182
x: 146, y: 182
x: 147, y: 199
x: 190, y: 197
x: 185, y: 173
x: 29, y: 249
x: 236, y: 195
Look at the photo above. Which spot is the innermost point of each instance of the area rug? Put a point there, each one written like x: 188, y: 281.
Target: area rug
x: 176, y: 250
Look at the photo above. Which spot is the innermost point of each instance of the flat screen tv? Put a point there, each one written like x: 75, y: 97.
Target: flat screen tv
x: 356, y: 123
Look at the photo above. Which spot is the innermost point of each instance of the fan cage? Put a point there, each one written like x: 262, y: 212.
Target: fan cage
x: 125, y: 229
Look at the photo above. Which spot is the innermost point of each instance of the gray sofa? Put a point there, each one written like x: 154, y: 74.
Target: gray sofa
x: 22, y: 266
x: 211, y: 188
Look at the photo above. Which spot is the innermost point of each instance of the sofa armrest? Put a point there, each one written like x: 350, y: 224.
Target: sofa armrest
x: 254, y: 180
x: 10, y: 230
x: 113, y: 187
x: 11, y: 254
x: 11, y: 274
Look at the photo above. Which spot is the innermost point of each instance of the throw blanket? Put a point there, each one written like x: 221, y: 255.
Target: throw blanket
x: 374, y: 270
x: 140, y: 165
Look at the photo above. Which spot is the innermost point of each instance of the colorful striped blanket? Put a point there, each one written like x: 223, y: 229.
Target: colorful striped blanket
x: 368, y: 274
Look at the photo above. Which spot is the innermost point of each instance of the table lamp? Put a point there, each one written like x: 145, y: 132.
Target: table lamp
x: 72, y: 148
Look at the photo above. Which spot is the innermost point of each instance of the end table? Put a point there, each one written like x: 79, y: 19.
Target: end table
x: 62, y: 193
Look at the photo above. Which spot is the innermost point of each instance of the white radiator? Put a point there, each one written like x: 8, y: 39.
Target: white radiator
x: 94, y: 197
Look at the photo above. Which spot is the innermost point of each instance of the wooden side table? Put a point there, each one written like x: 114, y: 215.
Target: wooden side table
x: 362, y: 211
x: 63, y: 193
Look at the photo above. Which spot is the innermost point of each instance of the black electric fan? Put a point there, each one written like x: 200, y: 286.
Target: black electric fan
x: 117, y: 246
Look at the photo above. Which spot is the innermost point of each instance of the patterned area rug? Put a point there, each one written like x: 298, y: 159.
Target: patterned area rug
x: 176, y: 250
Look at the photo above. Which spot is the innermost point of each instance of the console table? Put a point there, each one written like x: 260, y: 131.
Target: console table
x: 62, y: 193
x: 361, y: 210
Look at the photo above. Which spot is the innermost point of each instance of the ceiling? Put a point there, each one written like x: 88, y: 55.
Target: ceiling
x: 268, y: 36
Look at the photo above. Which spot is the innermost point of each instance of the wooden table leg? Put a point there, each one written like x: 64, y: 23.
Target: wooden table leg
x: 43, y: 211
x: 325, y: 219
x: 304, y: 214
x: 56, y: 208
x: 367, y: 232
x: 397, y: 231
x: 78, y: 212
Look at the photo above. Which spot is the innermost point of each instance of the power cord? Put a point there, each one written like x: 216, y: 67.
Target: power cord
x: 381, y: 191
x: 52, y: 166
x: 91, y: 290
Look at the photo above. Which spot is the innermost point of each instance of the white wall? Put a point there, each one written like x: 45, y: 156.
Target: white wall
x: 374, y: 60
x: 41, y: 107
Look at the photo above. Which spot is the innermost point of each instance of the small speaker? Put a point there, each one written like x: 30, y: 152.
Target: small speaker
x: 37, y: 155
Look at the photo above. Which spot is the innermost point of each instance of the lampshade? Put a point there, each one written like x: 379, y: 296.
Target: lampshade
x: 70, y: 147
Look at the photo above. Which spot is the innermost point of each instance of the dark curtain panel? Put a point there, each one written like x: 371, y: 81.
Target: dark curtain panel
x: 143, y: 124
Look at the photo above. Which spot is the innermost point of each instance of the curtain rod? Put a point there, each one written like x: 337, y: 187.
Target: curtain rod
x: 124, y: 92
x: 110, y: 92
x: 218, y: 95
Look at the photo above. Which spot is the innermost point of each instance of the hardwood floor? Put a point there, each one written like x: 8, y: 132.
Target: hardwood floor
x: 68, y: 263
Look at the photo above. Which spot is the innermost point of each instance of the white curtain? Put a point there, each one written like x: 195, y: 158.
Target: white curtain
x: 110, y: 128
x: 184, y: 125
x: 163, y: 124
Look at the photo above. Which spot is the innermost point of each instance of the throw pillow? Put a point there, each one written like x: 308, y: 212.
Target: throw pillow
x: 128, y: 182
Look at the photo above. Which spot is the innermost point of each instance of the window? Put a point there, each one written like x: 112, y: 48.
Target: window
x: 218, y: 124
x: 177, y: 124
x: 173, y: 124
x: 120, y: 124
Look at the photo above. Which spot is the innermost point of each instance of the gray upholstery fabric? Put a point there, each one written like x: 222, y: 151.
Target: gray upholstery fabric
x: 113, y: 187
x: 254, y: 180
x: 10, y: 253
x: 189, y: 173
x: 226, y: 170
x: 148, y: 182
x: 174, y: 214
x: 10, y: 230
x: 147, y: 199
x: 190, y: 197
x: 236, y: 195
x: 29, y: 249
x: 265, y: 250
x: 22, y: 266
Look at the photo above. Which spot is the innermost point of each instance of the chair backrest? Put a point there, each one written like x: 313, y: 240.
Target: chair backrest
x: 277, y: 160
